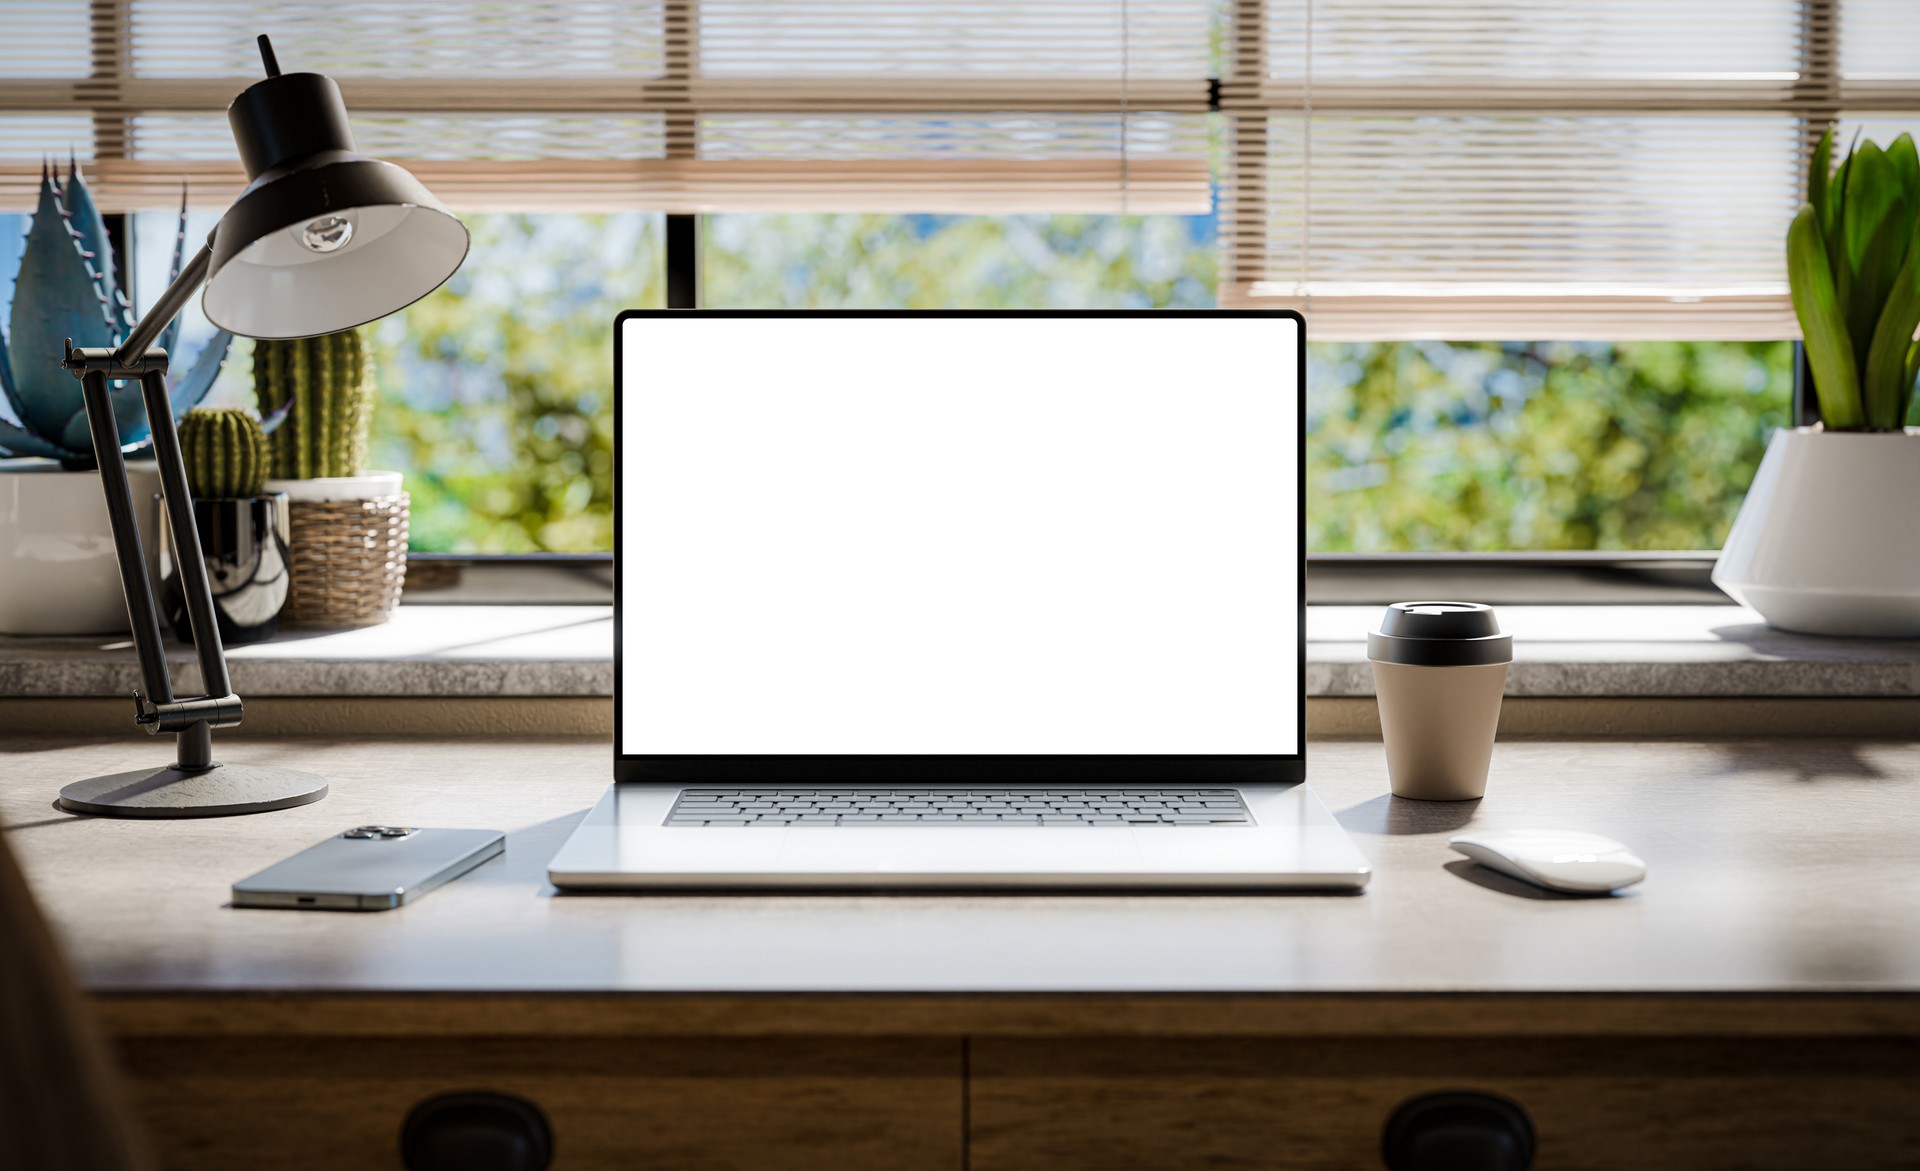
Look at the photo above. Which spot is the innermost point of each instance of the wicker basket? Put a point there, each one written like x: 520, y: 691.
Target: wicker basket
x: 348, y: 560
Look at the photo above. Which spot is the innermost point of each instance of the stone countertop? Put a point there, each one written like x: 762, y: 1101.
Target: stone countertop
x: 1640, y: 651
x: 447, y: 651
x: 1560, y: 651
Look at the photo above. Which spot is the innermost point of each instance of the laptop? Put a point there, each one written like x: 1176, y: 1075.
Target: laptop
x: 959, y: 599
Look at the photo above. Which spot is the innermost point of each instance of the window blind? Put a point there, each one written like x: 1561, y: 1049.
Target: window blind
x: 677, y: 105
x: 1398, y: 168
x: 1501, y: 169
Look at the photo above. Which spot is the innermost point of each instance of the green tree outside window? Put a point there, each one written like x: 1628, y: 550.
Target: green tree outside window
x: 496, y: 391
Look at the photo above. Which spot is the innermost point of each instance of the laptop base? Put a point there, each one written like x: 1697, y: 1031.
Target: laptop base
x: 625, y: 843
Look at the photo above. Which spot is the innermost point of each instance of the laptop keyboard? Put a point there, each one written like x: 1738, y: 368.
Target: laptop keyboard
x: 950, y: 807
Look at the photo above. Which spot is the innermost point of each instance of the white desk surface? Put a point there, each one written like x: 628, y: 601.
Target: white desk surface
x: 1775, y: 866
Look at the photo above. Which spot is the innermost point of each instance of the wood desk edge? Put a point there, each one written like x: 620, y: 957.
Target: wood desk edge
x: 563, y: 1014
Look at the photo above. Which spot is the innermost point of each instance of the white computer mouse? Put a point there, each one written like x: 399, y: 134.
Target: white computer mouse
x: 1557, y: 859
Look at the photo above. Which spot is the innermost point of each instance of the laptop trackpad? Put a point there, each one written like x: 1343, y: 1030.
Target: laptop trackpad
x: 923, y: 850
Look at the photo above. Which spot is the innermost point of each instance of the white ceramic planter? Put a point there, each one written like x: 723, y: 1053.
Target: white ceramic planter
x: 58, y: 571
x: 1828, y: 538
x: 369, y: 486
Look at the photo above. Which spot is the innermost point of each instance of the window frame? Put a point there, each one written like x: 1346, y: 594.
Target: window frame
x: 1567, y: 578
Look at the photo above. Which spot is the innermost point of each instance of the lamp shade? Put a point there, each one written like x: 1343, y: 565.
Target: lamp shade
x: 323, y: 239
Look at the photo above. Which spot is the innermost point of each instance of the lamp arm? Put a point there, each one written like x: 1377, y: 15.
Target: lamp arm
x: 157, y: 709
x: 134, y: 350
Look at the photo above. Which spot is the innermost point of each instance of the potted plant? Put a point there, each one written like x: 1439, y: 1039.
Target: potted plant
x: 348, y: 547
x: 1828, y: 538
x: 243, y: 531
x: 58, y: 573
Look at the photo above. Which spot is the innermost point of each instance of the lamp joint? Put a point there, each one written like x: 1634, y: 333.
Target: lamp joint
x: 221, y: 711
x: 84, y: 360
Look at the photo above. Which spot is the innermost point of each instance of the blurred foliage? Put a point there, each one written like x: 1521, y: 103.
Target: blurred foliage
x: 958, y: 262
x: 1545, y: 445
x: 496, y: 391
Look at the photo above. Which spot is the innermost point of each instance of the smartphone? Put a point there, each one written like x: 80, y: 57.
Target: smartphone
x: 369, y: 868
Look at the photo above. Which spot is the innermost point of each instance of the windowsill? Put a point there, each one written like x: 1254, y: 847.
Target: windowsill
x: 434, y: 651
x: 565, y: 651
x: 1640, y: 652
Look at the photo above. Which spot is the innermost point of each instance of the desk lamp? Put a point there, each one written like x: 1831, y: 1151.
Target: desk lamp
x: 321, y: 240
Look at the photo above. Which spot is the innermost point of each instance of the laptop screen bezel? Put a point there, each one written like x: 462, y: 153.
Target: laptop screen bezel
x: 770, y: 770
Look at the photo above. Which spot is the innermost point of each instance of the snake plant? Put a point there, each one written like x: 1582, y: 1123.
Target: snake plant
x: 1853, y: 261
x: 66, y: 289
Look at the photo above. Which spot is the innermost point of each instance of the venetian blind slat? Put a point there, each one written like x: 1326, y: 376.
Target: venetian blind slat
x: 987, y: 106
x: 1515, y: 169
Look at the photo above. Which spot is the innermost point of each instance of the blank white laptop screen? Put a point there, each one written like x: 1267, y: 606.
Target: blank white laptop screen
x: 995, y: 534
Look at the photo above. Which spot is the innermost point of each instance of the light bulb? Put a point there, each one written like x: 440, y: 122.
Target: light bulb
x: 329, y: 233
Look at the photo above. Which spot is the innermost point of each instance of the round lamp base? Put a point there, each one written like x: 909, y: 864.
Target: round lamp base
x: 221, y: 791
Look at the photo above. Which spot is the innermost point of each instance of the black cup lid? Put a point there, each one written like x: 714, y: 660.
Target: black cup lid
x: 1439, y: 634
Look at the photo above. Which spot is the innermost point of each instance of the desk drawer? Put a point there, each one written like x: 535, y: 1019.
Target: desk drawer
x: 1596, y: 1105
x: 631, y: 1103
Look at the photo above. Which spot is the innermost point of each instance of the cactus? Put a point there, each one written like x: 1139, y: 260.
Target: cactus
x: 65, y: 289
x: 226, y: 453
x: 328, y: 386
x: 324, y: 388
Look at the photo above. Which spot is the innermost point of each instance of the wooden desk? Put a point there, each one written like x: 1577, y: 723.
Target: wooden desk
x: 1753, y: 1004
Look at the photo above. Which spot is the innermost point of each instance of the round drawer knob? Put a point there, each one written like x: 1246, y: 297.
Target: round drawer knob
x: 1459, y: 1131
x: 476, y: 1132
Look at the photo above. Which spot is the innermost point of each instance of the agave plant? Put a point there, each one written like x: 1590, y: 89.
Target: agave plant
x: 1853, y: 259
x: 66, y: 290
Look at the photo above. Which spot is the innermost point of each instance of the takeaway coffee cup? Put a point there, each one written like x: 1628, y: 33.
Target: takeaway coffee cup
x: 1438, y: 671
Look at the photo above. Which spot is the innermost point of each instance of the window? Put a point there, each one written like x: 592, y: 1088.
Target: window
x: 1430, y: 181
x: 1539, y: 241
